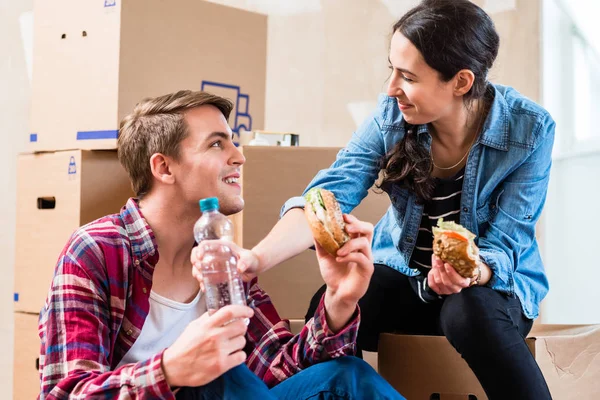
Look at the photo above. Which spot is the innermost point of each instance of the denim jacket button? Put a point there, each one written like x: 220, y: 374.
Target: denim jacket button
x: 465, y: 209
x: 409, y: 239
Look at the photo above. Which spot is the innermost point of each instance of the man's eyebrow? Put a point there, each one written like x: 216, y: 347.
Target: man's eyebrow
x: 222, y: 135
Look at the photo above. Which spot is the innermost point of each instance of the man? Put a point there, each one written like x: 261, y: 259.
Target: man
x: 125, y: 317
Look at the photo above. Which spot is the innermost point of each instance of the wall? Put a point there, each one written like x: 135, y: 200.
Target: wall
x: 14, y: 117
x: 327, y: 59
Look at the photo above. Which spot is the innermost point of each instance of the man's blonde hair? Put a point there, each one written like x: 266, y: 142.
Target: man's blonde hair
x: 157, y: 125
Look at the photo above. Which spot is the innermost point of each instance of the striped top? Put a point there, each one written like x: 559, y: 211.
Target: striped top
x: 445, y: 203
x: 98, y: 303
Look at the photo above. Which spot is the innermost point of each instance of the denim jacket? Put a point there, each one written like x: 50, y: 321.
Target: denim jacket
x: 504, y: 190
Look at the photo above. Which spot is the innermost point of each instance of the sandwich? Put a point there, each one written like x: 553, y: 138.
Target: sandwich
x: 455, y: 245
x: 325, y: 219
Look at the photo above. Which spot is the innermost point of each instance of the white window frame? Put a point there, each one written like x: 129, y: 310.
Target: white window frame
x: 562, y: 46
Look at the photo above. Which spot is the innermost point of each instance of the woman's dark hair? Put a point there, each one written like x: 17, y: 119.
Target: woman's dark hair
x: 451, y: 35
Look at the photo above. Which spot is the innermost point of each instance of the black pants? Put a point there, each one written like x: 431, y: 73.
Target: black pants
x: 486, y: 327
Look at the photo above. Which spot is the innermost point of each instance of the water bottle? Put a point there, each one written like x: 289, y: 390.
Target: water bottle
x: 222, y: 282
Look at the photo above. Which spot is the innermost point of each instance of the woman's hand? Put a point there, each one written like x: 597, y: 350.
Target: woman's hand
x: 443, y: 278
x: 348, y: 274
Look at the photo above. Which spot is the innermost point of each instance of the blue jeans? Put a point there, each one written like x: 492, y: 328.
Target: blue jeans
x: 342, y: 378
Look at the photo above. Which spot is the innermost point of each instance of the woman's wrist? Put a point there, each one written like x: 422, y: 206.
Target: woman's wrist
x: 484, y: 274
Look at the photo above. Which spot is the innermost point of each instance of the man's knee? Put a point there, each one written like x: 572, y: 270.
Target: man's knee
x: 353, y: 364
x: 355, y: 378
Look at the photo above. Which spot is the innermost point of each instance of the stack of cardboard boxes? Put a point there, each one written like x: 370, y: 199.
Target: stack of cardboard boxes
x: 92, y: 62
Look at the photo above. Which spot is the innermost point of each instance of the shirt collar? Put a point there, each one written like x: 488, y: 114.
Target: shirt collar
x: 141, y: 236
x: 495, y: 128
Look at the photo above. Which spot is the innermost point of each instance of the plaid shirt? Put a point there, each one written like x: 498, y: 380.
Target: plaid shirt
x: 99, y: 300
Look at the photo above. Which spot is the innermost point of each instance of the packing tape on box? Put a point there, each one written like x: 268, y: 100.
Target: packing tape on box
x: 86, y: 135
x: 94, y: 135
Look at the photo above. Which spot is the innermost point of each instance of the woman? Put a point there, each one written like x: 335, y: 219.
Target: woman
x: 452, y: 145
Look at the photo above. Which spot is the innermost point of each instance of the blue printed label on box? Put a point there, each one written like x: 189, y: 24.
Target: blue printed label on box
x: 242, y: 120
x: 72, y: 166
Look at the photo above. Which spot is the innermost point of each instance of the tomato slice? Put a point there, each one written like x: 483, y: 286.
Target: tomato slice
x: 456, y: 235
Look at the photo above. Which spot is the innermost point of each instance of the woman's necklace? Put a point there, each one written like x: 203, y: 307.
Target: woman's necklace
x: 481, y: 119
x: 459, y: 161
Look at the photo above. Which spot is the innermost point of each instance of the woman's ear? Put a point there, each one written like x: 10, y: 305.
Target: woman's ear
x: 161, y: 168
x: 463, y: 82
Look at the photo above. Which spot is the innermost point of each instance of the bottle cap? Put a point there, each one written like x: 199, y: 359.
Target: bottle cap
x: 209, y: 204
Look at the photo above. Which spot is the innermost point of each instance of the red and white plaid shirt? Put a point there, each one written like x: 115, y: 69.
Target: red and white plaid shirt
x: 99, y: 300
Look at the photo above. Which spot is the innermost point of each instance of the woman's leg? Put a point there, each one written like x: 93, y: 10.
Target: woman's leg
x: 488, y: 329
x: 390, y: 305
x: 341, y: 378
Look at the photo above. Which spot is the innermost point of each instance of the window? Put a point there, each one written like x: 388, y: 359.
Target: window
x: 587, y: 88
x: 571, y: 63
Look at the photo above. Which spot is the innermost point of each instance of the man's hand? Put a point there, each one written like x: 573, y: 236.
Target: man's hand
x: 247, y: 262
x: 208, y: 347
x: 348, y: 275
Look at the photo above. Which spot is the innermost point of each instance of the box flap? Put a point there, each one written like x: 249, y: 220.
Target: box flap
x: 569, y: 357
x: 561, y: 330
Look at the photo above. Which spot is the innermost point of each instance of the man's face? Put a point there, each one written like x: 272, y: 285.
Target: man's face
x: 209, y: 163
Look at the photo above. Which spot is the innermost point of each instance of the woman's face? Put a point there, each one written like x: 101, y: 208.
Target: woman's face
x: 421, y: 95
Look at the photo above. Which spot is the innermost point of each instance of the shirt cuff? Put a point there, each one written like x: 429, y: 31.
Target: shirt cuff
x: 294, y: 202
x: 337, y: 344
x: 150, y: 375
x: 498, y: 262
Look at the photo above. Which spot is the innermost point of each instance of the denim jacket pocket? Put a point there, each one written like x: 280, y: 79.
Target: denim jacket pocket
x: 488, y: 209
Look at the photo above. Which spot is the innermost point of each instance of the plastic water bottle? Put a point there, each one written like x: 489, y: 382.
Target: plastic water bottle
x: 222, y: 282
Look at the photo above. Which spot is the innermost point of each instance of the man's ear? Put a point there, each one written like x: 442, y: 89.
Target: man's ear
x: 161, y: 168
x: 463, y: 82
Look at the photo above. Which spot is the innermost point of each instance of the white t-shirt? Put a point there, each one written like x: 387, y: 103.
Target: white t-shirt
x: 164, y: 324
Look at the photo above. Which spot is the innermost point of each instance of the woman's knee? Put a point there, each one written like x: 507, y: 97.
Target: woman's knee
x: 467, y: 314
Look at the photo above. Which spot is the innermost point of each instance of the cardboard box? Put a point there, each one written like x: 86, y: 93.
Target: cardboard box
x: 296, y: 325
x: 26, y: 379
x: 569, y: 357
x: 94, y: 60
x: 420, y: 366
x: 270, y: 176
x: 56, y: 194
